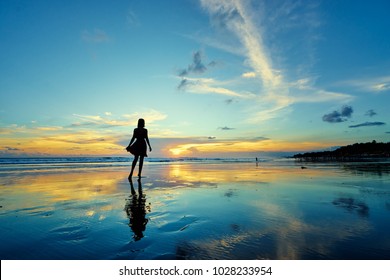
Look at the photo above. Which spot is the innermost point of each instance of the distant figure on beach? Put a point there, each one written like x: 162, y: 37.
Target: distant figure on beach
x: 136, y: 210
x: 138, y: 148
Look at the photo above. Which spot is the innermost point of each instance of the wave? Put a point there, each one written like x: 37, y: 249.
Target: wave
x: 56, y: 163
x: 55, y: 160
x: 49, y: 160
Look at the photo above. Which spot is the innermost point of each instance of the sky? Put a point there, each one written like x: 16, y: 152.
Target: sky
x: 210, y: 78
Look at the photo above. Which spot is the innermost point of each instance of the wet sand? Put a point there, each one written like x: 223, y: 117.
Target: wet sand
x: 198, y: 211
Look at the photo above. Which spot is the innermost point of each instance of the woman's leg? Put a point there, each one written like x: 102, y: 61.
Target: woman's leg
x: 141, y: 163
x: 133, y: 165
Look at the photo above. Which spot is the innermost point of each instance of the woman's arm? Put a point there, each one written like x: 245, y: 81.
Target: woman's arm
x: 132, y: 140
x: 147, y: 140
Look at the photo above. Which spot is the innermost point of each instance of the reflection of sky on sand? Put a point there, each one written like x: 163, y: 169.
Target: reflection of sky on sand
x: 227, y: 173
x: 277, y: 213
x: 60, y: 215
x: 197, y: 211
x: 264, y: 229
x: 65, y: 186
x: 44, y: 193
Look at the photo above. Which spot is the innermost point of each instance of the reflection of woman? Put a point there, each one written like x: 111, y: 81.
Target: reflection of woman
x: 136, y: 211
x: 138, y: 148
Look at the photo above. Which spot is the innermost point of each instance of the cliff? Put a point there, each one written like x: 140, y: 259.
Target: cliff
x: 351, y: 152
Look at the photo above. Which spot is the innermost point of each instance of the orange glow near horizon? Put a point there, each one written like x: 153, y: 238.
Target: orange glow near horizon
x: 99, y: 145
x: 247, y: 147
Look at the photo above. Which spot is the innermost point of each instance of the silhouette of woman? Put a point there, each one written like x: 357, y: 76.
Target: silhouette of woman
x: 138, y: 148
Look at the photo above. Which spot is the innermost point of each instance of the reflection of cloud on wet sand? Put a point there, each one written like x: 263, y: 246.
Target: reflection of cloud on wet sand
x: 79, y: 186
x: 274, y: 228
x: 42, y: 193
x: 352, y: 205
x: 283, y: 236
x: 297, y: 239
x: 243, y: 172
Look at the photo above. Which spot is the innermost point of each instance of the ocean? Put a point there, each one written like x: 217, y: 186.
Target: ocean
x: 56, y: 163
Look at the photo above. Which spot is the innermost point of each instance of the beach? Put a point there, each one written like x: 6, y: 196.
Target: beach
x: 199, y: 210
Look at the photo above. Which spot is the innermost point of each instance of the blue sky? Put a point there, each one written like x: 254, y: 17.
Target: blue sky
x: 211, y: 78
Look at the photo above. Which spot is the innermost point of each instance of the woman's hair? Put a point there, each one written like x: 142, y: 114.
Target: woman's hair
x: 141, y: 123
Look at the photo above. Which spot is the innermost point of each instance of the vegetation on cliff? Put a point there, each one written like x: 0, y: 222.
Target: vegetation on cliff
x: 355, y: 151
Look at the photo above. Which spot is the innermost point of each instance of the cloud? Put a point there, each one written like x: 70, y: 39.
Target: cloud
x: 125, y: 120
x: 209, y: 86
x: 276, y: 94
x: 77, y: 138
x: 371, y: 84
x: 224, y: 14
x: 249, y: 75
x: 315, y: 95
x: 11, y: 149
x: 132, y: 19
x: 338, y: 116
x: 367, y: 124
x: 381, y: 87
x: 66, y: 142
x: 226, y: 128
x: 233, y: 15
x: 184, y: 83
x: 30, y: 129
x: 50, y: 128
x: 95, y: 36
x: 371, y: 113
x: 101, y: 134
x: 229, y: 101
x: 346, y: 111
x: 197, y: 66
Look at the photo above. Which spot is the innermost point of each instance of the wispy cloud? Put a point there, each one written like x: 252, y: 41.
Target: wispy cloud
x: 249, y: 75
x: 381, y: 87
x: 50, y: 128
x: 276, y: 94
x: 371, y: 84
x: 33, y: 128
x: 132, y: 19
x: 64, y: 142
x: 367, y: 124
x: 210, y: 86
x: 233, y: 16
x: 95, y: 36
x: 86, y: 120
x: 108, y: 120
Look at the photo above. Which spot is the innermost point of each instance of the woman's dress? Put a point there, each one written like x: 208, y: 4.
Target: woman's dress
x: 138, y: 148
